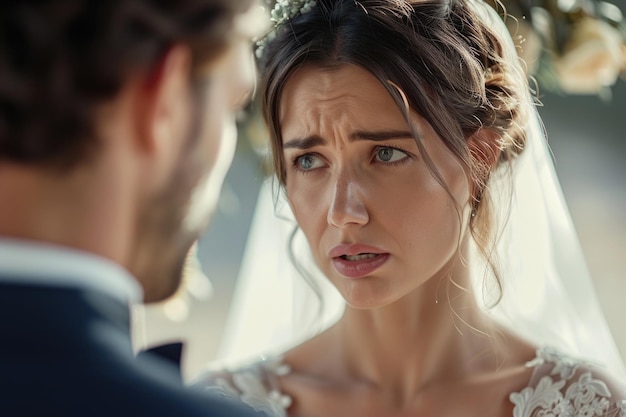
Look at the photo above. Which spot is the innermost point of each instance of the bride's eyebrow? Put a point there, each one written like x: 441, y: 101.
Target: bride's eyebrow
x: 381, y: 135
x: 304, y: 143
x: 376, y: 136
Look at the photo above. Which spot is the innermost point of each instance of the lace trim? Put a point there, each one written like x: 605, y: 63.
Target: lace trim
x: 557, y: 394
x: 255, y: 386
x: 584, y: 397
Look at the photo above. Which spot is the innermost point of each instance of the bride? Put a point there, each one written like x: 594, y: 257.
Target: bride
x: 408, y: 150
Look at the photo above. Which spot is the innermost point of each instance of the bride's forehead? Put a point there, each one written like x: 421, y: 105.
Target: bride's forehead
x: 349, y: 86
x: 323, y: 79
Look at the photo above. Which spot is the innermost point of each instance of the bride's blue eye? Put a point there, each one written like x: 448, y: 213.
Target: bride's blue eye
x: 389, y: 155
x: 308, y: 162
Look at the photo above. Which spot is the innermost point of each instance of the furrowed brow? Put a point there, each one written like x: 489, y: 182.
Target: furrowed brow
x: 312, y: 141
x: 381, y: 135
x: 304, y: 143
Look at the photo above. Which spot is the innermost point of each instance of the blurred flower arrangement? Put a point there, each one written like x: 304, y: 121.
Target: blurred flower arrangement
x: 570, y: 46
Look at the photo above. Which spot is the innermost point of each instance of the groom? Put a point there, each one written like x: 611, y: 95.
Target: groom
x: 116, y: 130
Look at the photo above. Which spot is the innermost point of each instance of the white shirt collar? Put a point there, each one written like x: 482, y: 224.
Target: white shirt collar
x: 38, y: 263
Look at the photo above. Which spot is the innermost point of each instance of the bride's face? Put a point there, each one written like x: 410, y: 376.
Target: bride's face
x: 378, y: 222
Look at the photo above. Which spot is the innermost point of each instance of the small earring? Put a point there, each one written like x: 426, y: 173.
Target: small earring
x: 476, y: 203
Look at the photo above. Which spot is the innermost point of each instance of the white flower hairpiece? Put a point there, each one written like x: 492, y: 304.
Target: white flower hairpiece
x: 283, y: 11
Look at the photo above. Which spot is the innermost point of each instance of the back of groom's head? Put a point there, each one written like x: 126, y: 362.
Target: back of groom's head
x: 62, y: 59
x: 116, y: 120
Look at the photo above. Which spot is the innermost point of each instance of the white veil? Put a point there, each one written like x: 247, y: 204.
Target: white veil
x: 548, y: 296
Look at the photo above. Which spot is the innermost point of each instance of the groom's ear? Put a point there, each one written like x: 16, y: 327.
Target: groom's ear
x: 161, y: 112
x: 165, y: 91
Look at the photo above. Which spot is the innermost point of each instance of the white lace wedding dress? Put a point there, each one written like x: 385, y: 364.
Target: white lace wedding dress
x: 560, y: 386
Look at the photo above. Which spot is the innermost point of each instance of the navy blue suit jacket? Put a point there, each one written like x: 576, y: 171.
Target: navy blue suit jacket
x: 67, y: 352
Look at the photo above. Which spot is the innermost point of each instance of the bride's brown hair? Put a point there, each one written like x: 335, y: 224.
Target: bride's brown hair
x: 443, y: 56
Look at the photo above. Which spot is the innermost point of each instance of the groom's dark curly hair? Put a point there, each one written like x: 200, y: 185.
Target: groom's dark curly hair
x: 61, y: 59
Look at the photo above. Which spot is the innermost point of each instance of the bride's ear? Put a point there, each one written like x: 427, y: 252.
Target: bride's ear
x: 484, y: 147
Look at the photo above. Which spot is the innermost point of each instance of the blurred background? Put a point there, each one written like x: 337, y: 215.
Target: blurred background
x: 575, y: 50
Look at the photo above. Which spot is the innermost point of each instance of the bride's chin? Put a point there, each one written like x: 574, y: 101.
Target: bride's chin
x: 365, y: 298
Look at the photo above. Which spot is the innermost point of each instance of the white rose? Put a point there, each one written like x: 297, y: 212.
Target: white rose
x: 593, y: 58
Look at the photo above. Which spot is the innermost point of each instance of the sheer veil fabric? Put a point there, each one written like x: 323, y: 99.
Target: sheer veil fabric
x: 548, y: 296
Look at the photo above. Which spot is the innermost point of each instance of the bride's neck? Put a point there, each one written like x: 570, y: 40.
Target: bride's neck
x: 434, y: 334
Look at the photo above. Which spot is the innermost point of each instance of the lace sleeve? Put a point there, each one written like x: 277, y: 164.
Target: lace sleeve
x: 254, y: 385
x: 564, y: 387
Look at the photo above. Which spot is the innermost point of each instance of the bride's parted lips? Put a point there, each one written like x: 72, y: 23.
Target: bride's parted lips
x: 354, y: 249
x: 360, y: 267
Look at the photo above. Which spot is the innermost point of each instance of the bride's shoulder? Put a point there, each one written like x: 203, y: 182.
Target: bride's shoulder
x: 564, y: 386
x: 254, y: 384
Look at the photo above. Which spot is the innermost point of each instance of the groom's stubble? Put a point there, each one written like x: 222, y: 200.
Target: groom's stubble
x: 163, y: 241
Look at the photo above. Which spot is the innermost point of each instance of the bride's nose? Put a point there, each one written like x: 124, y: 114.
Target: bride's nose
x: 347, y: 205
